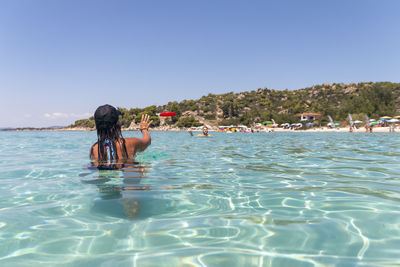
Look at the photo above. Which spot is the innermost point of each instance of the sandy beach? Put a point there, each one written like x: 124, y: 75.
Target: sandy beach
x: 270, y: 130
x: 338, y: 130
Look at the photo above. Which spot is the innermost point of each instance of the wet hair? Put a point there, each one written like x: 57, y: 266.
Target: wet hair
x: 113, y: 133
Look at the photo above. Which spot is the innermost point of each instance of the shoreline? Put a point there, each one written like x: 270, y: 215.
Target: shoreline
x: 163, y: 129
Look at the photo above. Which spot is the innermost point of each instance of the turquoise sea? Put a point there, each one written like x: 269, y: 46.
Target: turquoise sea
x: 262, y: 199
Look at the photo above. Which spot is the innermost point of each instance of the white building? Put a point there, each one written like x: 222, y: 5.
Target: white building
x: 309, y: 116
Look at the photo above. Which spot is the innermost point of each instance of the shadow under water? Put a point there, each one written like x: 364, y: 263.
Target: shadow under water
x: 119, y: 186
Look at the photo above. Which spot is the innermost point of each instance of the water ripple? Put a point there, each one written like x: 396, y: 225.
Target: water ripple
x: 282, y: 199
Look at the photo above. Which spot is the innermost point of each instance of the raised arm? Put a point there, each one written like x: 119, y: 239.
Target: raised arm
x: 145, y: 141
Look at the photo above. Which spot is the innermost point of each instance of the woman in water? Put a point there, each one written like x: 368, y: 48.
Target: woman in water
x: 111, y: 146
x: 113, y: 151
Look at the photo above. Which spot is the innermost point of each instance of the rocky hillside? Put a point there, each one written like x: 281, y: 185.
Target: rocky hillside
x: 336, y: 100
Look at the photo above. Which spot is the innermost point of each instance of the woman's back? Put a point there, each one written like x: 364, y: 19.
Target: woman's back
x: 132, y: 145
x: 111, y: 146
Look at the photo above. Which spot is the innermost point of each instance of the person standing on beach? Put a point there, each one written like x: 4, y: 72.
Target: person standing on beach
x: 366, y: 127
x: 111, y: 146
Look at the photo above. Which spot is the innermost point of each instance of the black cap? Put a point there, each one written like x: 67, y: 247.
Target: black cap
x: 106, y: 116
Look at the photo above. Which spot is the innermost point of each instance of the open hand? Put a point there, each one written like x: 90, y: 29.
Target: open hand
x: 144, y: 122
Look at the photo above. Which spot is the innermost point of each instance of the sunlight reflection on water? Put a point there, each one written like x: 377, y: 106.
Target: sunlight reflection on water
x: 287, y: 199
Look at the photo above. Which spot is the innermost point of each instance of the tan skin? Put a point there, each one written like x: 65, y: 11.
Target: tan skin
x: 133, y: 144
x: 205, y: 133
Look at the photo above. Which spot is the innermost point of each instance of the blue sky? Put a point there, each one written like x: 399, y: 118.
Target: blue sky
x: 59, y: 60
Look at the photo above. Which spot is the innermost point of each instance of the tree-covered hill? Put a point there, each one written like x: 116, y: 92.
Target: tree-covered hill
x: 337, y: 100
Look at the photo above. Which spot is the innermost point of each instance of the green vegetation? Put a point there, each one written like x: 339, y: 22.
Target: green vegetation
x: 337, y: 100
x: 152, y: 111
x: 85, y: 123
x: 188, y: 122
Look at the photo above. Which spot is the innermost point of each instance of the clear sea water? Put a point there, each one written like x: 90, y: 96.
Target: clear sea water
x: 263, y: 199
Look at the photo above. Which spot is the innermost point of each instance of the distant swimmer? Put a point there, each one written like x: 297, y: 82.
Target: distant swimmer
x: 205, y: 132
x: 111, y: 147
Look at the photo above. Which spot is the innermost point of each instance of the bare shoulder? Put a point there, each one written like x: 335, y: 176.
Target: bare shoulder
x: 132, y: 140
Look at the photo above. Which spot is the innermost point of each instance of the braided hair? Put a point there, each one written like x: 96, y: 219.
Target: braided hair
x: 108, y: 135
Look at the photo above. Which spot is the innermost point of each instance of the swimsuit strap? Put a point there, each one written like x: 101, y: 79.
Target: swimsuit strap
x: 109, y: 148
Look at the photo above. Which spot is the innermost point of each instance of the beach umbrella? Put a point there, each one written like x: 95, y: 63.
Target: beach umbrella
x: 393, y: 120
x: 358, y: 122
x: 396, y: 117
x: 373, y: 123
x: 337, y: 124
x: 372, y: 120
x: 385, y: 117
